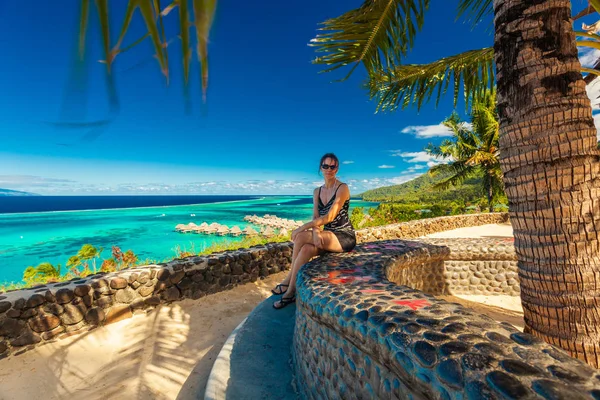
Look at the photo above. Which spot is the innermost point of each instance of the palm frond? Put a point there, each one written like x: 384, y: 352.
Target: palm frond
x: 475, y: 9
x: 415, y: 84
x: 83, y: 23
x: 379, y: 34
x: 204, y: 11
x: 460, y: 173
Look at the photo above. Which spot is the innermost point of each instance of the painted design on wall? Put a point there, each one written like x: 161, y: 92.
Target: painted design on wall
x: 344, y: 276
x: 414, y: 304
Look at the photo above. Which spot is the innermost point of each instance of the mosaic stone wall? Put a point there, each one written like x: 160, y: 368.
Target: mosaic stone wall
x: 358, y: 335
x: 44, y: 313
x: 470, y: 266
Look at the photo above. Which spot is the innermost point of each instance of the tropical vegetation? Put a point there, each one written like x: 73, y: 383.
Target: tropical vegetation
x: 548, y: 143
x: 472, y: 150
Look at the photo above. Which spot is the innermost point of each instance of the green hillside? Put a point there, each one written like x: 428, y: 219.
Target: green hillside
x: 418, y: 199
x: 420, y: 190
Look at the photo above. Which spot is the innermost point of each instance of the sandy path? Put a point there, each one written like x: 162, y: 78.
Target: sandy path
x: 167, y: 354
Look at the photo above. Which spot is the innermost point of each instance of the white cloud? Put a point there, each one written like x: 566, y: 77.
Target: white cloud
x: 429, y: 131
x: 588, y: 57
x: 386, y: 166
x: 419, y: 157
x: 348, y: 162
x: 597, y: 124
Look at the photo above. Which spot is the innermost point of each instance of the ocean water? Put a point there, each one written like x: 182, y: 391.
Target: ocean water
x: 147, y: 227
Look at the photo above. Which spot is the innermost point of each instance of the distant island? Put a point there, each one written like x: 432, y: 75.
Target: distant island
x: 14, y: 193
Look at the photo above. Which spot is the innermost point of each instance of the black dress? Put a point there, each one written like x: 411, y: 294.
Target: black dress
x: 341, y: 226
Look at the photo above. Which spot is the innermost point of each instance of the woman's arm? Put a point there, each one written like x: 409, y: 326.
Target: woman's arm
x: 315, y: 203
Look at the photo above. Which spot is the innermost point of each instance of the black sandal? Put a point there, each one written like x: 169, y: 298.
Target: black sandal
x: 284, y: 302
x: 280, y: 287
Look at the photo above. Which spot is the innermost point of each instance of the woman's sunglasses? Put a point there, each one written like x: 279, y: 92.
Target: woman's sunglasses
x: 326, y: 166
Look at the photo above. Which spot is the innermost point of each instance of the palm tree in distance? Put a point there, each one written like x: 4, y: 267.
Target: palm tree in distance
x: 472, y: 151
x: 548, y: 143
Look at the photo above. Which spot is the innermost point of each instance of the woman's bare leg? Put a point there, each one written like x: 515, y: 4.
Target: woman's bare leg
x: 302, y: 239
x: 307, y: 252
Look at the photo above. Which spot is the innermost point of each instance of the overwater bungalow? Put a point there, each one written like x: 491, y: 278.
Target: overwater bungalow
x: 223, y: 230
x: 268, y: 232
x: 210, y: 229
x: 249, y: 231
x: 235, y: 231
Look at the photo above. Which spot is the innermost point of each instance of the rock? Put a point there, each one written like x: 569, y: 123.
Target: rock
x: 35, y: 300
x: 53, y: 308
x: 133, y: 278
x: 95, y: 316
x: 185, y: 283
x: 53, y: 333
x: 27, y: 338
x: 145, y: 290
x: 11, y: 328
x: 152, y: 301
x: 19, y: 304
x: 3, y: 347
x: 163, y: 275
x: 29, y: 313
x: 87, y: 300
x: 4, y: 306
x: 143, y: 277
x: 176, y: 277
x: 118, y: 312
x: 171, y: 294
x: 72, y: 315
x: 104, y: 301
x: 64, y: 296
x: 118, y: 283
x: 13, y: 313
x: 137, y: 304
x: 44, y: 322
x: 82, y: 290
x: 49, y: 297
x: 126, y: 295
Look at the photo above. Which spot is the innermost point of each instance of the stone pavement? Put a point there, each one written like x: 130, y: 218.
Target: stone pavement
x: 255, y: 363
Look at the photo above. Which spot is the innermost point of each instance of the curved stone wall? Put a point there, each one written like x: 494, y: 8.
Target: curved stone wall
x: 44, y: 313
x: 359, y: 335
x: 467, y: 266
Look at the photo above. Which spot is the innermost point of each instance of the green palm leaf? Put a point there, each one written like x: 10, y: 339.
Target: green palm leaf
x: 475, y: 9
x: 378, y: 34
x: 414, y: 84
x: 204, y: 11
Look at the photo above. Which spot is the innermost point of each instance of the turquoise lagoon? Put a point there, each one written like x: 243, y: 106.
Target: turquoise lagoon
x: 30, y: 238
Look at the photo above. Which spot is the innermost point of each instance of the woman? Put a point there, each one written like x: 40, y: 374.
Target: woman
x: 330, y: 211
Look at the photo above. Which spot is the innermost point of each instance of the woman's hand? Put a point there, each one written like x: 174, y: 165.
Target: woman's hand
x: 295, y: 233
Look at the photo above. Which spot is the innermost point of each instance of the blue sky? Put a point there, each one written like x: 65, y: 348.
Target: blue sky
x: 269, y: 117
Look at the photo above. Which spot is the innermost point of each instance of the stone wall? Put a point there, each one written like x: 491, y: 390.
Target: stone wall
x: 422, y: 227
x: 359, y: 335
x: 470, y: 266
x: 44, y: 313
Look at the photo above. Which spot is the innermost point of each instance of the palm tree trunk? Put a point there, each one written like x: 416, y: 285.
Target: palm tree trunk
x: 551, y: 172
x: 489, y: 192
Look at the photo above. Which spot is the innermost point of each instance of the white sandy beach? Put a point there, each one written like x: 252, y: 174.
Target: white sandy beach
x: 168, y: 354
